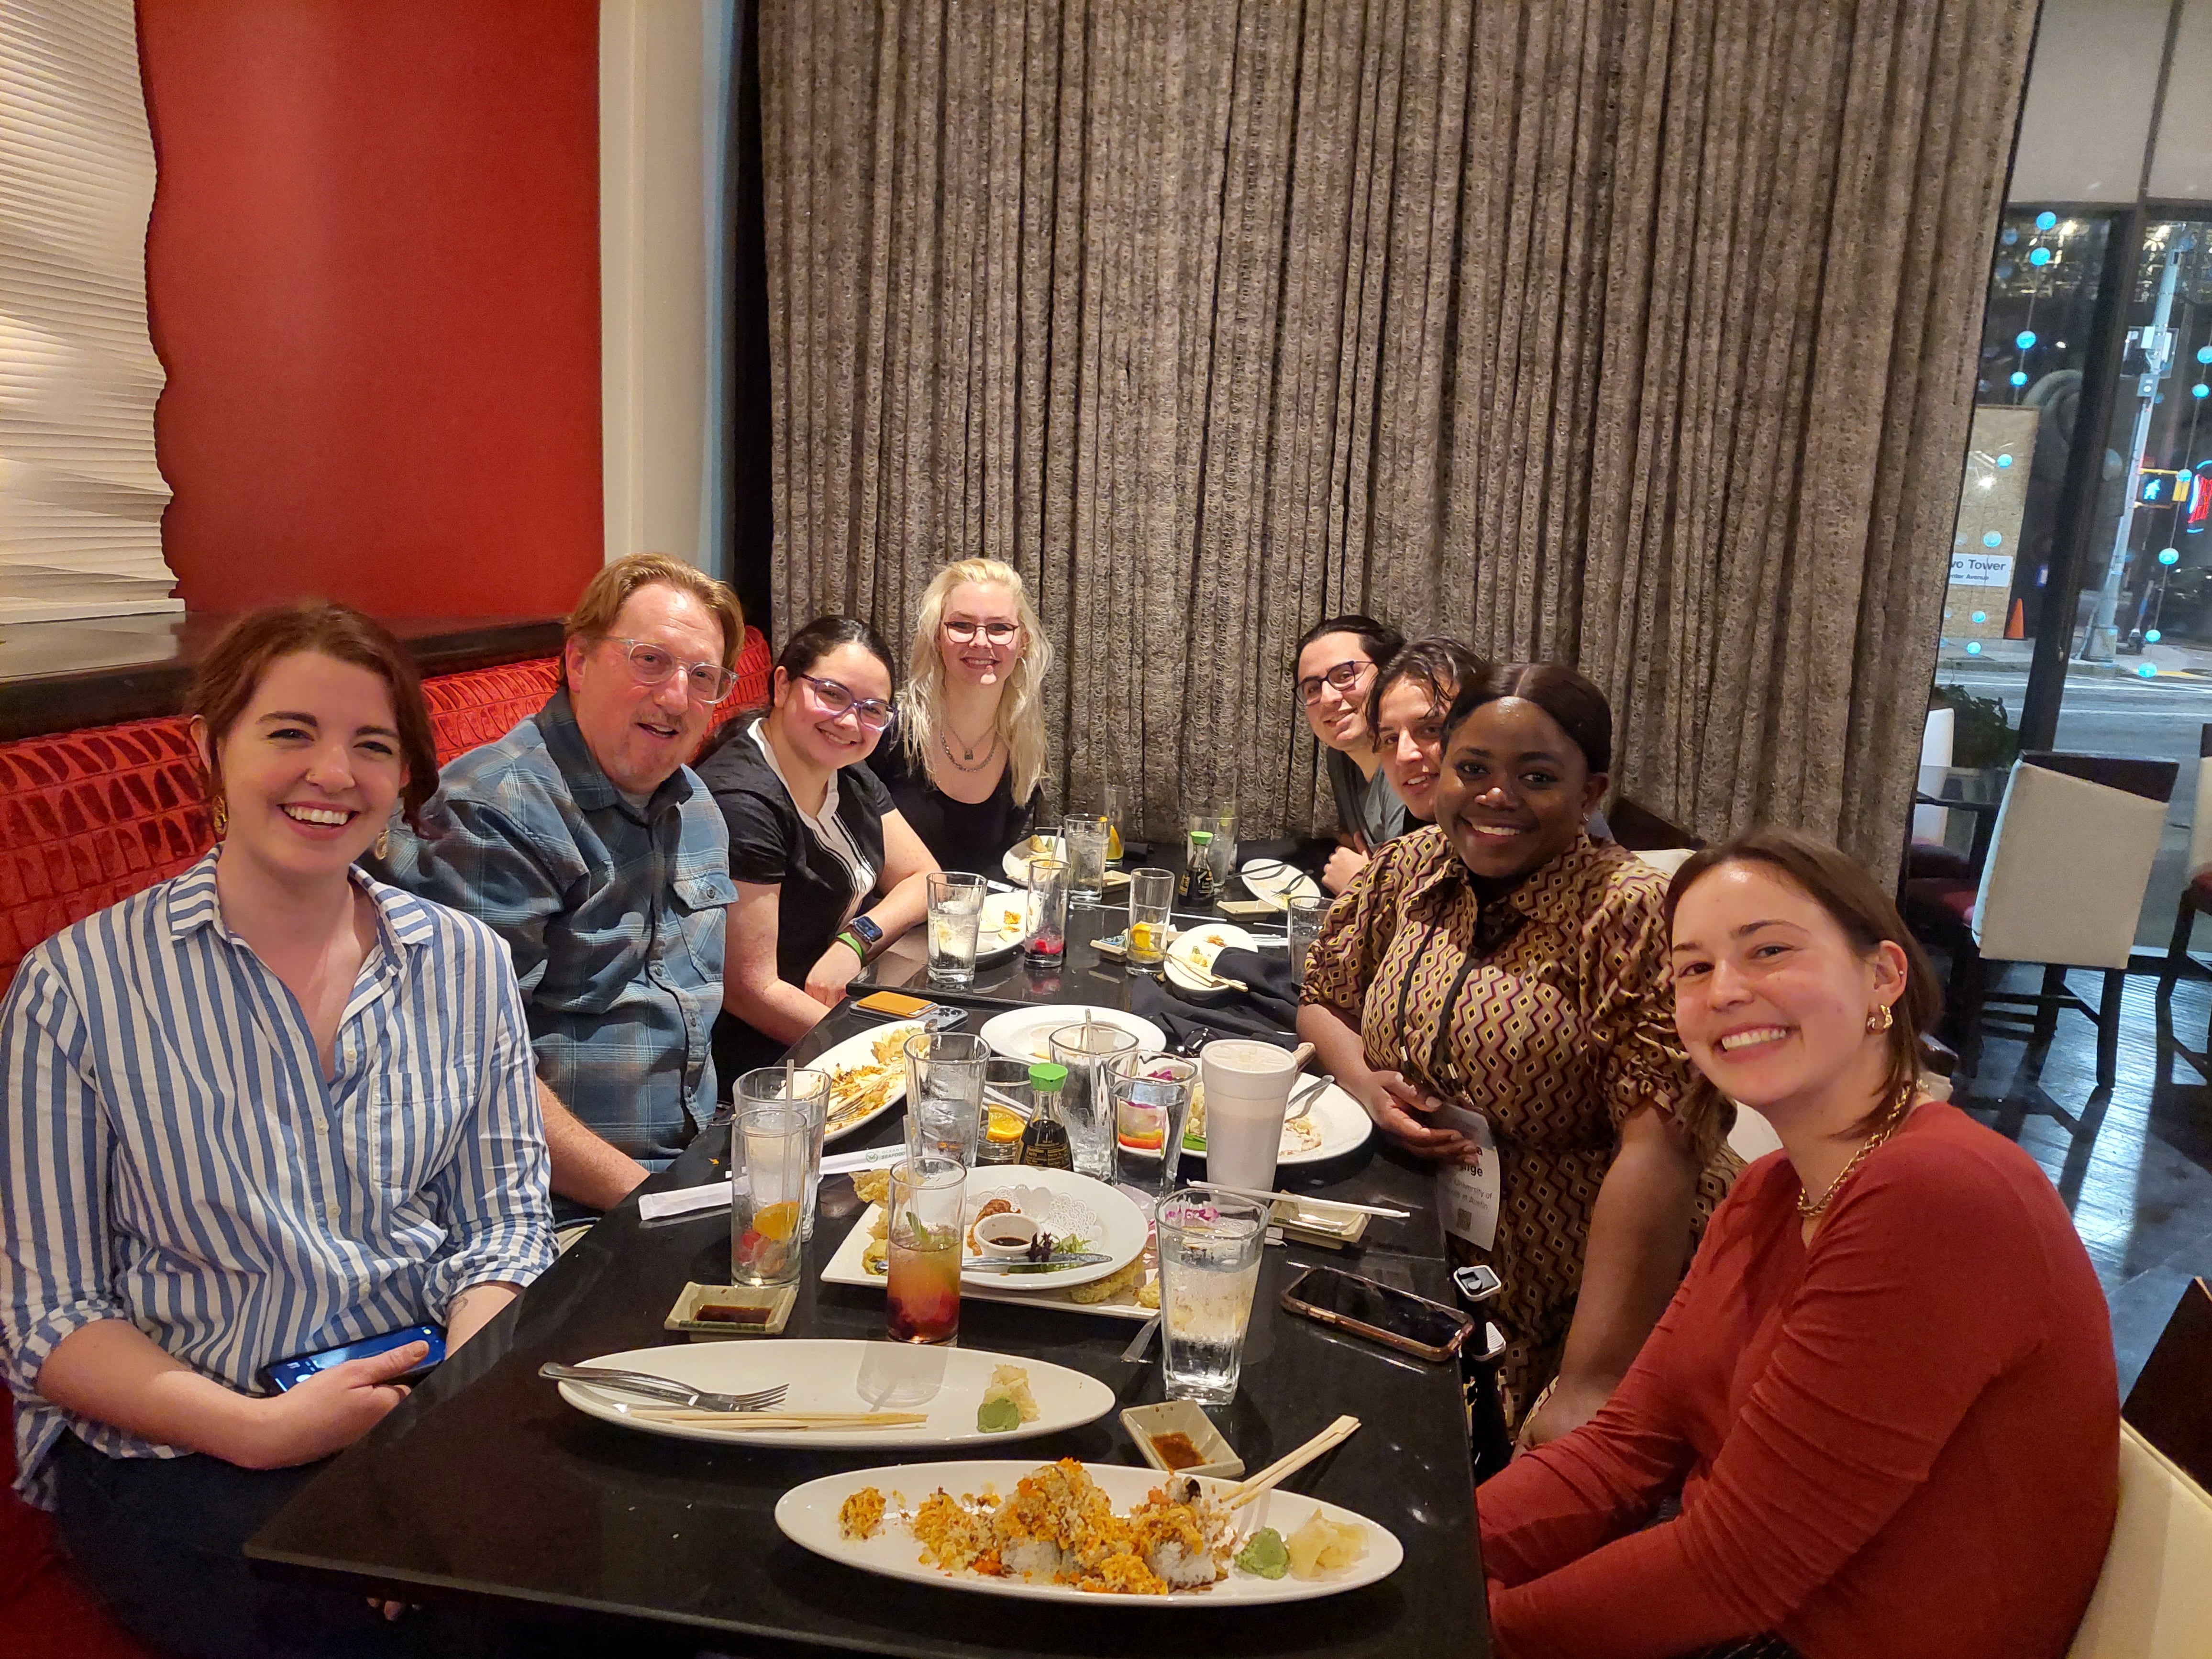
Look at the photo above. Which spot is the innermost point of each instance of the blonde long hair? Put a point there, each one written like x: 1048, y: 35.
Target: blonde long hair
x: 1021, y: 699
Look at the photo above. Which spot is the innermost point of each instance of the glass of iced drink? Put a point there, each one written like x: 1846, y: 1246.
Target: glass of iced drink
x: 1209, y: 1246
x: 922, y: 1300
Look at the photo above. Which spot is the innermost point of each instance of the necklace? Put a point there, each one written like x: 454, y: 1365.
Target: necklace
x: 989, y: 752
x: 1811, y: 1207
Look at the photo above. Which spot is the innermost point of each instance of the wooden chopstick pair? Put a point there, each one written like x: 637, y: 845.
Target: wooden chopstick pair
x: 1290, y: 1462
x: 787, y: 1419
x: 1258, y: 1196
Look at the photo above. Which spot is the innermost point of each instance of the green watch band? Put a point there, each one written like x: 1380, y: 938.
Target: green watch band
x: 859, y: 949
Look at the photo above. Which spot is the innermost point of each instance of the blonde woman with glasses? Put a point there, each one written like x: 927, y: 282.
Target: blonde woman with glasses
x: 965, y: 756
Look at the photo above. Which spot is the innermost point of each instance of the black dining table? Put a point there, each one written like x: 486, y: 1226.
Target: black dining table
x: 484, y: 1487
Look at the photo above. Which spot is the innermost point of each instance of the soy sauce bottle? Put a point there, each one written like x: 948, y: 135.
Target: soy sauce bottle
x: 1198, y: 868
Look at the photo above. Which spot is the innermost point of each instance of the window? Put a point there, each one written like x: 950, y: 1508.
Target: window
x: 80, y: 496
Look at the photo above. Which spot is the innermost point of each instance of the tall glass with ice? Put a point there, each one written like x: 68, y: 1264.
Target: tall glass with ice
x: 1209, y: 1267
x: 1248, y: 1092
x: 956, y: 916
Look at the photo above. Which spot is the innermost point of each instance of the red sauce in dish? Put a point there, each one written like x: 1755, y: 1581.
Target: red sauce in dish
x: 1176, y: 1452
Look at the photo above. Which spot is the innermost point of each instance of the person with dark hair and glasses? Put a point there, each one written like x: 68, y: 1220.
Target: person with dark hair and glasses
x: 583, y: 839
x: 1495, y: 992
x: 828, y: 870
x: 1337, y: 663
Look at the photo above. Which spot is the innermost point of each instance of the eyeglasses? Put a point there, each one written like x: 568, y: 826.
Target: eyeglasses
x: 1343, y: 677
x: 836, y: 700
x: 706, y: 682
x: 999, y: 633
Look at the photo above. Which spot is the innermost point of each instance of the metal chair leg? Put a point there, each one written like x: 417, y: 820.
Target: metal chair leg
x: 1970, y: 972
x: 2108, y: 1026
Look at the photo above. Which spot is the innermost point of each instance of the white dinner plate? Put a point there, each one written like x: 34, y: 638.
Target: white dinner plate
x: 1063, y: 1203
x: 857, y: 1054
x: 1020, y: 1033
x: 848, y: 1266
x: 1190, y: 958
x: 1016, y: 862
x: 1272, y: 881
x: 807, y: 1515
x: 842, y: 1376
x: 1337, y: 1124
x: 1005, y: 919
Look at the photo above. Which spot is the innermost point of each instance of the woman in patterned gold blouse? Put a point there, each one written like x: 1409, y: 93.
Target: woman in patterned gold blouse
x: 1496, y: 990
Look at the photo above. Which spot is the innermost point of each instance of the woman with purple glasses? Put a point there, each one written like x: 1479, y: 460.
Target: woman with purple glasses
x: 828, y: 871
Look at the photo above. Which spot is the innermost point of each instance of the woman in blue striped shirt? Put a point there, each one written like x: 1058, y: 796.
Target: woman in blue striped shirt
x: 267, y: 1108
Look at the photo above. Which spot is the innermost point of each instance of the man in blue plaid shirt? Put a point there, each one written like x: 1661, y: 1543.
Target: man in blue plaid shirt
x: 586, y: 842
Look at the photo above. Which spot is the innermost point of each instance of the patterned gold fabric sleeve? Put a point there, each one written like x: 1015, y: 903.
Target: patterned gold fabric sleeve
x: 1634, y: 1018
x: 1357, y: 932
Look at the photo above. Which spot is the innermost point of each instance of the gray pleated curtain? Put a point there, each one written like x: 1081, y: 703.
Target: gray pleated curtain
x: 1636, y: 334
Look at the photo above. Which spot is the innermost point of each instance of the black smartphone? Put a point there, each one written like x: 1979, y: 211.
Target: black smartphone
x: 1412, y: 1324
x: 290, y: 1373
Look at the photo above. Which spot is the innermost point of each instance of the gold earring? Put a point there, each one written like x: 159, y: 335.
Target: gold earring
x: 221, y: 814
x: 383, y: 846
x: 1880, y: 1019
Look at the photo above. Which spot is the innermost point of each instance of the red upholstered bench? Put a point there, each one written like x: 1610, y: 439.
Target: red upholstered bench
x: 88, y: 819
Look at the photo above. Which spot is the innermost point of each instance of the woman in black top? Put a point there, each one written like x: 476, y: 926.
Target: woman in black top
x: 965, y: 761
x: 813, y: 837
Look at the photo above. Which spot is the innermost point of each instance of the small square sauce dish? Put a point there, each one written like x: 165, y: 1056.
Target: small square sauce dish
x: 1174, y: 1431
x: 716, y: 1313
x: 1318, y: 1221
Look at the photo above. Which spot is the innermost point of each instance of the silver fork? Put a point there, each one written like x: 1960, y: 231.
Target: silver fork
x: 1308, y: 1095
x: 662, y: 1388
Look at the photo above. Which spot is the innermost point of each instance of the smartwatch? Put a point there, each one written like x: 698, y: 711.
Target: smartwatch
x: 866, y: 934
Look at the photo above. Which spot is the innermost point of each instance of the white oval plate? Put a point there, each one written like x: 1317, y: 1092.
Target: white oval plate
x: 807, y: 1515
x: 844, y: 1376
x: 1006, y: 918
x: 1195, y: 948
x: 858, y: 1053
x: 1341, y: 1123
x: 1016, y: 862
x: 1271, y: 882
x: 1063, y: 1202
x: 1020, y: 1033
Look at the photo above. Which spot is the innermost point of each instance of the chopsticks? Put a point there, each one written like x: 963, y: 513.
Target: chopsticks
x: 1290, y: 1462
x: 787, y: 1419
x: 1255, y: 1194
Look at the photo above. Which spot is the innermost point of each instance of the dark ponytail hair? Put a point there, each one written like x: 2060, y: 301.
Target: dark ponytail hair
x: 825, y: 634
x: 1568, y: 696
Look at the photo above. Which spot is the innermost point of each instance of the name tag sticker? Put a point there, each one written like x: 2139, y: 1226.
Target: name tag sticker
x: 1467, y: 1194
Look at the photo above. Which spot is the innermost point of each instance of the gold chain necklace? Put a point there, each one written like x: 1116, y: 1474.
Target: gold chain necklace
x: 1810, y: 1207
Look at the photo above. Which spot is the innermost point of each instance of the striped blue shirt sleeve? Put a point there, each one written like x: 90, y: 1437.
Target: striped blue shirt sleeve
x: 492, y: 1195
x: 54, y: 1161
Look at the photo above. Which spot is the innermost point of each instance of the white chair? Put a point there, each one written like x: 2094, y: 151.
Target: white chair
x: 1932, y: 823
x: 2154, y: 1599
x: 2063, y: 884
x: 2196, y: 890
x: 1666, y: 860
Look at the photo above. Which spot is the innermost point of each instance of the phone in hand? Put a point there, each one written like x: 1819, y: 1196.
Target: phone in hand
x: 290, y: 1373
x: 1412, y: 1324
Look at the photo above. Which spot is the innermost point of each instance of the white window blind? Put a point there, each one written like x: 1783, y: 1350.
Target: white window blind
x: 80, y: 496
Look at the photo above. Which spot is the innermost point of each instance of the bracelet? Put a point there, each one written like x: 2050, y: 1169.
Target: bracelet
x: 859, y: 949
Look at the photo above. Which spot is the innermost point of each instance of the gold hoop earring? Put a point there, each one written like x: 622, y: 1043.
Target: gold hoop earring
x: 1880, y: 1019
x: 221, y: 815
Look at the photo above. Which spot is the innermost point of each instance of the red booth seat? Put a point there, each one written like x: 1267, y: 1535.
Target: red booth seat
x: 88, y: 819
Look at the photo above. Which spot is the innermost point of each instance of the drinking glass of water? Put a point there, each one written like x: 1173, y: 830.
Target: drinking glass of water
x: 1307, y: 911
x: 1209, y: 1267
x: 1085, y: 835
x: 805, y: 1091
x: 956, y: 914
x: 1089, y: 1050
x: 945, y: 1094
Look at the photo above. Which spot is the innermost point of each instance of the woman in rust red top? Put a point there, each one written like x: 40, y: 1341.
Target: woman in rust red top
x: 1886, y: 1390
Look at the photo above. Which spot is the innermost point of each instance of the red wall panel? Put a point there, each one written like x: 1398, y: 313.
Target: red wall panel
x: 372, y: 277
